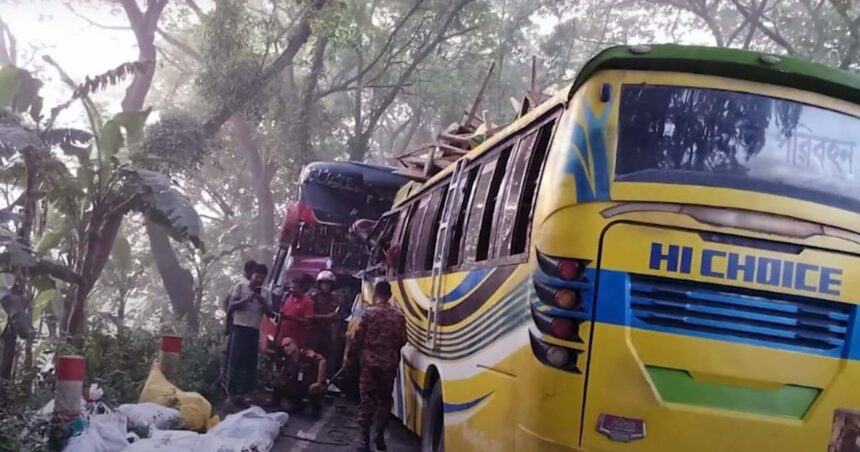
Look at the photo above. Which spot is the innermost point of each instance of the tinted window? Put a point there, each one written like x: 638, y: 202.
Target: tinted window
x: 536, y: 156
x: 738, y: 140
x: 477, y: 202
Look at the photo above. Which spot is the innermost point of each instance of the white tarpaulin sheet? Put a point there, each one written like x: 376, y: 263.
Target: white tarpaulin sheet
x: 251, y: 429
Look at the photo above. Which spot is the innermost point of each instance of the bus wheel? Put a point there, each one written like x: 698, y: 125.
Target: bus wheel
x: 433, y: 431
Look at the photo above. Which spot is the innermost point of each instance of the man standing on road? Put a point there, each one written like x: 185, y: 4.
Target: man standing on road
x: 380, y: 335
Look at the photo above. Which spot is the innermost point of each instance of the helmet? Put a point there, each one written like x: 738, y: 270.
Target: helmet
x: 326, y: 275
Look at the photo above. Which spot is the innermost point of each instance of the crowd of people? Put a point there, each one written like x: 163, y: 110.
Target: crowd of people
x: 312, y: 342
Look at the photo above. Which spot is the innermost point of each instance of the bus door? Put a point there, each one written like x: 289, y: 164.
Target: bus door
x: 711, y: 342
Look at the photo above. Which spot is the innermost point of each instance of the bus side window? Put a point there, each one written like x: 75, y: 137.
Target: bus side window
x: 381, y: 241
x: 430, y: 230
x: 403, y: 234
x: 520, y: 237
x: 465, y: 189
x: 507, y: 210
x: 490, y: 220
x: 413, y: 257
x: 478, y: 202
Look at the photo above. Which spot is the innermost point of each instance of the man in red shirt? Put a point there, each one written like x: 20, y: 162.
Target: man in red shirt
x: 297, y: 312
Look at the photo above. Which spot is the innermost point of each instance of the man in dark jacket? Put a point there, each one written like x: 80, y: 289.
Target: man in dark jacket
x: 377, y: 342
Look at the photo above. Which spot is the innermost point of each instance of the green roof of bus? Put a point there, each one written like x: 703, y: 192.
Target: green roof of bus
x: 733, y: 63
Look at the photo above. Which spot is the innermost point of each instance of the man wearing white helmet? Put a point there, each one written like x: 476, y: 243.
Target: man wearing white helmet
x: 325, y: 315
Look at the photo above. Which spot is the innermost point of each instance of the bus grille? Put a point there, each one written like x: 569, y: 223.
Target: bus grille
x: 759, y: 317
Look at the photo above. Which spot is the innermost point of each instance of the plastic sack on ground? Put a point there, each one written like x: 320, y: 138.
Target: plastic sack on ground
x: 105, y: 433
x: 193, y: 407
x: 143, y: 417
x: 169, y: 441
x: 252, y: 429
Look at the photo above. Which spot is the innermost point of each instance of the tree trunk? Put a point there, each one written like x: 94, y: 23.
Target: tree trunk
x: 97, y: 248
x: 178, y: 282
x: 358, y: 147
x: 7, y: 354
x: 262, y: 173
x: 22, y: 283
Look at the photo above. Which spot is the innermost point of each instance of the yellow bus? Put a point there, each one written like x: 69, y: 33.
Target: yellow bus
x: 663, y: 257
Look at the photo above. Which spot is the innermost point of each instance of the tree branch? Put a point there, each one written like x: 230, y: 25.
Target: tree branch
x: 135, y: 16
x: 758, y: 12
x: 297, y: 39
x: 94, y: 23
x: 197, y: 10
x: 853, y: 29
x: 8, y: 45
x: 172, y: 40
x: 756, y: 22
x: 385, y: 48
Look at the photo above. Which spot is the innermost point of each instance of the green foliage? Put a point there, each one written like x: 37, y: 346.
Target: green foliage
x: 237, y: 45
x: 19, y: 91
x: 202, y: 356
x: 118, y: 361
x: 110, y: 139
x: 178, y: 141
x: 161, y: 202
x: 339, y: 24
x: 18, y: 431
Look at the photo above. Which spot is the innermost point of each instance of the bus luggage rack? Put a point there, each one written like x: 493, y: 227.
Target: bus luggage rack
x: 731, y: 313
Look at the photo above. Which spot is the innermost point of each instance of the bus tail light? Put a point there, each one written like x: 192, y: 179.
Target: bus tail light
x: 566, y: 299
x: 562, y: 328
x: 569, y: 270
x: 554, y: 355
x: 557, y: 356
x: 559, y: 327
x: 565, y: 269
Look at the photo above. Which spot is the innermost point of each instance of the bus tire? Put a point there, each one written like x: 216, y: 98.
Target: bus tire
x: 433, y: 430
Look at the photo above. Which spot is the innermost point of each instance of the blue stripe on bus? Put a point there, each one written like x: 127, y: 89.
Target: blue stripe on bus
x: 719, y: 314
x: 469, y: 283
x: 401, y: 410
x: 451, y: 408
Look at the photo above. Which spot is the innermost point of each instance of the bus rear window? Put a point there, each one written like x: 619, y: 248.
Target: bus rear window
x: 718, y: 138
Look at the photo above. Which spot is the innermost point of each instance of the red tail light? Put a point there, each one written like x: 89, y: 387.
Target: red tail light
x: 562, y: 328
x: 569, y: 270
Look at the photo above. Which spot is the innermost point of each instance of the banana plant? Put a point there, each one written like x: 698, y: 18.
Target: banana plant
x: 89, y: 189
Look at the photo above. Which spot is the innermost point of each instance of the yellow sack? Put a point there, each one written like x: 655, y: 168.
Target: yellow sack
x: 193, y: 407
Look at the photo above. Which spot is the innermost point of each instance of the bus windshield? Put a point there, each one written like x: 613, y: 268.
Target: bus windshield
x: 718, y: 138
